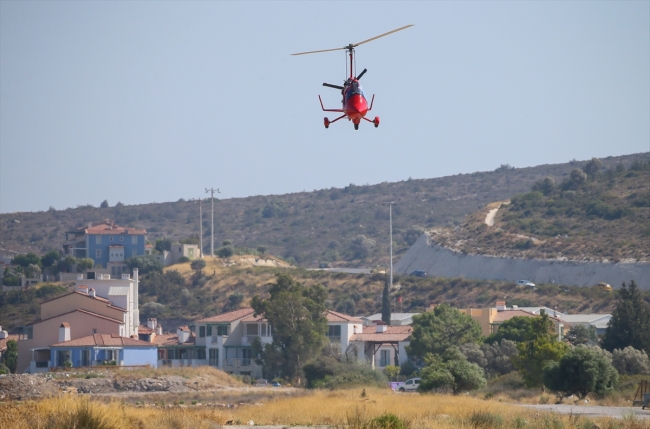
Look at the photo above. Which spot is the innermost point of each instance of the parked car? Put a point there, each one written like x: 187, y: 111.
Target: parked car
x: 410, y: 385
x: 604, y: 286
x: 525, y: 283
x: 419, y: 273
x: 276, y: 384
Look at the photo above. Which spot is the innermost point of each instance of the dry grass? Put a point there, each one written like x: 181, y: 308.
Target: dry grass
x: 210, y: 374
x: 379, y: 409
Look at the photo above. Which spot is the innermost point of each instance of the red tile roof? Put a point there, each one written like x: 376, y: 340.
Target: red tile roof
x: 333, y: 316
x: 393, y: 334
x: 82, y: 311
x: 99, y: 298
x: 106, y: 228
x: 172, y: 340
x: 253, y: 318
x: 504, y: 315
x: 144, y: 330
x: 103, y: 340
x: 3, y: 342
x: 228, y: 317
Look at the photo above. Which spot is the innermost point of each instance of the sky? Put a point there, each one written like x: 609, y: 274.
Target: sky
x: 142, y: 102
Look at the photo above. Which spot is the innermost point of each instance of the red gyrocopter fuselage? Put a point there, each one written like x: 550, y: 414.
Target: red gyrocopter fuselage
x: 354, y: 103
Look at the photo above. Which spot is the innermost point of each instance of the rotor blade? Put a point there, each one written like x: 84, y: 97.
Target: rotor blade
x: 333, y: 86
x: 362, y: 73
x: 382, y: 35
x: 323, y: 50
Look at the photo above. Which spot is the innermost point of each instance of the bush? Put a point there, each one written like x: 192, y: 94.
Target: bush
x: 451, y: 372
x: 485, y: 419
x: 225, y: 251
x: 630, y: 361
x: 183, y: 260
x: 327, y: 372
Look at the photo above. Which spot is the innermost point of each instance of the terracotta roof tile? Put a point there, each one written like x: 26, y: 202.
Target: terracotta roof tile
x: 172, y: 340
x: 82, y: 311
x: 228, y: 317
x: 103, y: 340
x: 144, y: 330
x: 392, y: 334
x: 253, y: 318
x: 334, y: 316
x: 99, y: 298
x: 504, y: 315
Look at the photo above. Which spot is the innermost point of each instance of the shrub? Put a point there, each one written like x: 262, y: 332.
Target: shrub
x: 630, y: 361
x: 327, y: 372
x: 451, y: 371
x: 485, y: 419
x: 225, y: 251
x: 183, y: 260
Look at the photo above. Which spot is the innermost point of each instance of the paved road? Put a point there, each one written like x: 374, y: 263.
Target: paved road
x: 344, y: 270
x: 594, y: 410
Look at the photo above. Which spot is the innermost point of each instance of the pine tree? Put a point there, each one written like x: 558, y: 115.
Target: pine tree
x: 385, y: 303
x: 630, y: 321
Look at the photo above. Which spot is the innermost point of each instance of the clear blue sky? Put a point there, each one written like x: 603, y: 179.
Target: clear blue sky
x: 153, y: 101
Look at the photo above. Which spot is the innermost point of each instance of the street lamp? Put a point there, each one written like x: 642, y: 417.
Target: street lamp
x: 212, y: 191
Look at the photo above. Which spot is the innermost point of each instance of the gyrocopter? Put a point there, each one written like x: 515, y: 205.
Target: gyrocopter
x: 354, y: 103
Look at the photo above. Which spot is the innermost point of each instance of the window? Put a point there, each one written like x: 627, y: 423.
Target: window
x: 384, y: 357
x: 134, y: 239
x: 98, y: 253
x: 134, y: 252
x: 223, y: 329
x: 251, y: 329
x: 334, y: 331
x: 201, y: 331
x: 200, y: 353
x: 98, y: 239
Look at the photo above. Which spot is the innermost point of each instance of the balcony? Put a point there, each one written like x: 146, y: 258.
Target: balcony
x: 238, y: 365
x: 177, y: 363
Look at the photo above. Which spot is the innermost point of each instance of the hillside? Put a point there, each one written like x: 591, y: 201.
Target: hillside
x: 348, y: 227
x: 603, y: 216
x: 180, y: 295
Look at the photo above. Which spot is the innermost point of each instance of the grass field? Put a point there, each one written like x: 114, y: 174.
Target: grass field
x: 354, y: 409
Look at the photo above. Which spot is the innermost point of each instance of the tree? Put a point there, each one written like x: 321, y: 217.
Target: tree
x: 385, y: 303
x: 630, y: 361
x: 84, y: 264
x: 66, y: 265
x: 104, y: 204
x: 582, y: 370
x: 198, y: 265
x: 145, y: 264
x: 435, y: 331
x: 534, y: 354
x: 225, y: 251
x: 517, y: 329
x: 50, y: 258
x: 392, y: 371
x: 593, y: 167
x: 545, y: 185
x: 297, y: 314
x: 32, y: 271
x: 493, y: 358
x: 451, y: 371
x: 163, y: 244
x: 11, y: 355
x: 26, y: 260
x: 581, y: 334
x: 361, y: 246
x: 630, y: 321
x: 412, y: 234
x: 578, y: 177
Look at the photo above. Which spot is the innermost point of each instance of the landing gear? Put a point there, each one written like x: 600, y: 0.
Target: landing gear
x: 376, y: 121
x: 326, y: 122
x: 356, y: 126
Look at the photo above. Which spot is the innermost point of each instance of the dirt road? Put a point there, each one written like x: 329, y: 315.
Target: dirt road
x: 594, y: 410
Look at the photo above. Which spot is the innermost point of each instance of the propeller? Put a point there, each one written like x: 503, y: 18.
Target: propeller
x: 352, y: 46
x: 333, y: 86
x: 362, y: 73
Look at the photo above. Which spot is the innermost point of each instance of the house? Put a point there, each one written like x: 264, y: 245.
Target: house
x: 598, y: 321
x: 180, y: 349
x: 396, y: 319
x: 491, y: 318
x: 340, y: 330
x: 100, y: 306
x: 107, y: 244
x: 381, y: 345
x: 177, y: 251
x: 100, y: 349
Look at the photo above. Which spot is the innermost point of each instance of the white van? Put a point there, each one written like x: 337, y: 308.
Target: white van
x: 410, y: 385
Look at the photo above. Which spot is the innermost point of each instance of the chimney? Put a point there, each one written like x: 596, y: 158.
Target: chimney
x: 3, y: 334
x: 80, y: 276
x: 82, y: 289
x: 91, y: 292
x: 64, y: 332
x: 126, y: 276
x: 151, y: 323
x: 183, y: 333
x: 159, y: 330
x: 381, y: 327
x: 501, y: 305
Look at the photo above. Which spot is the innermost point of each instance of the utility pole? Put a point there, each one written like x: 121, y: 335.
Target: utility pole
x: 200, y: 230
x: 212, y: 191
x: 390, y: 217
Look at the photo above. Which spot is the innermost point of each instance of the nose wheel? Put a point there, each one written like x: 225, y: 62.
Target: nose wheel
x: 356, y: 126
